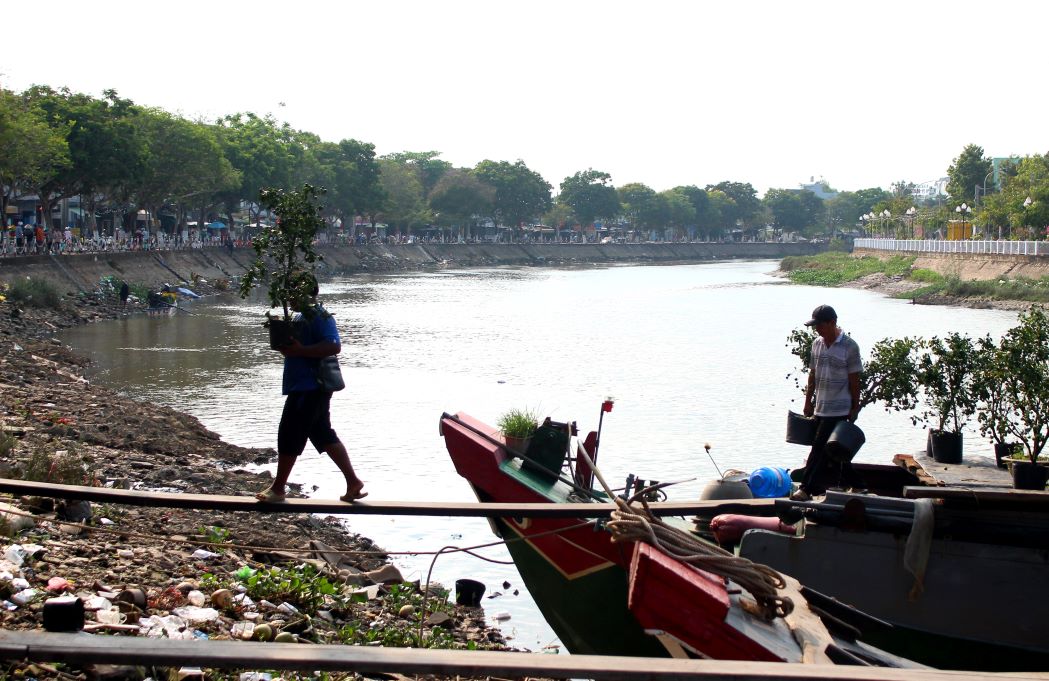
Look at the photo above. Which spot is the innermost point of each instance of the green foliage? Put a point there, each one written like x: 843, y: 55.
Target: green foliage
x: 459, y: 196
x: 518, y: 423
x: 888, y: 376
x: 966, y: 172
x: 590, y: 195
x: 35, y: 293
x: 928, y: 276
x: 836, y: 268
x: 302, y: 586
x: 288, y: 246
x: 214, y: 534
x: 65, y: 467
x: 1013, y: 384
x: 945, y: 376
x: 521, y: 194
x: 1022, y: 289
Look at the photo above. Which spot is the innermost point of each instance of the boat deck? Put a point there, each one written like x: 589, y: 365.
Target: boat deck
x: 974, y: 471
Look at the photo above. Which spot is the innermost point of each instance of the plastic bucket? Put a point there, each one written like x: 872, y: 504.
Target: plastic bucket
x: 801, y: 430
x: 468, y: 592
x: 845, y: 440
x: 770, y: 481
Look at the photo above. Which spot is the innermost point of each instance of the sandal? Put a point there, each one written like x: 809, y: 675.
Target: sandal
x: 268, y: 496
x: 350, y: 498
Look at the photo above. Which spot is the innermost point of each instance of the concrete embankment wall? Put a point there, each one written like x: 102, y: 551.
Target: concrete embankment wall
x: 969, y: 266
x: 83, y: 271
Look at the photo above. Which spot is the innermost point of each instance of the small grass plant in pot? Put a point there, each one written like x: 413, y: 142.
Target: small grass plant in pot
x: 1022, y: 368
x: 946, y: 370
x: 284, y: 252
x: 518, y: 426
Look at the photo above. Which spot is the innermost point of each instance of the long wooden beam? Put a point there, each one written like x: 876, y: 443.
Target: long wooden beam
x: 1004, y: 498
x: 81, y: 649
x: 211, y: 502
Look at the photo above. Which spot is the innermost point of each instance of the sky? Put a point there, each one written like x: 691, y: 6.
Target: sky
x: 667, y: 93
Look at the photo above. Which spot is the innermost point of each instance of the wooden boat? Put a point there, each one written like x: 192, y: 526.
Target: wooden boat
x: 584, y: 583
x: 960, y: 573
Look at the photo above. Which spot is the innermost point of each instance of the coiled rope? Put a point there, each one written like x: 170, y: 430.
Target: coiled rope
x: 630, y: 523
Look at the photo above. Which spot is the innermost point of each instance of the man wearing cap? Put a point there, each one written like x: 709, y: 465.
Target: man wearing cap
x: 832, y: 395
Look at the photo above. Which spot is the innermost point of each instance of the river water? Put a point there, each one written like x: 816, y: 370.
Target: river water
x: 692, y: 354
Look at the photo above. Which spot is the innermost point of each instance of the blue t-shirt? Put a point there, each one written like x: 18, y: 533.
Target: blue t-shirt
x: 300, y: 372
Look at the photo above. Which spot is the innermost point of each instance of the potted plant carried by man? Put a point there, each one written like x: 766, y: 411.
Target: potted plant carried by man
x: 288, y: 248
x: 946, y: 381
x: 1022, y: 415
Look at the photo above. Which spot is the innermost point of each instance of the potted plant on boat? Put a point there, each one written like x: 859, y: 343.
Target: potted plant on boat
x: 287, y: 247
x: 993, y: 409
x: 945, y: 378
x: 518, y: 426
x: 1023, y: 354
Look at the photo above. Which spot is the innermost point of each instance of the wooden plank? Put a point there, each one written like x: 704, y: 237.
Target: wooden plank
x: 209, y: 502
x: 81, y: 649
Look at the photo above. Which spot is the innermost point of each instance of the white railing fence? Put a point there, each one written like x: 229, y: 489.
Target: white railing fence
x: 1040, y: 248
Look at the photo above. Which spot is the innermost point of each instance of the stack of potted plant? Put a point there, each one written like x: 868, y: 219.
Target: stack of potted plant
x: 946, y: 380
x: 287, y: 247
x: 1014, y: 392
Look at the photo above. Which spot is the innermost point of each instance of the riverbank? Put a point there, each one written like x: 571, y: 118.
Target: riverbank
x: 901, y: 276
x: 174, y: 573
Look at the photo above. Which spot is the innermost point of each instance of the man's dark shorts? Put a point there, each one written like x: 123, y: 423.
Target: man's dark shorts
x: 305, y: 417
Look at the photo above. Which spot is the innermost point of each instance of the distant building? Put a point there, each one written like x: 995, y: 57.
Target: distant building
x: 821, y: 189
x: 926, y: 192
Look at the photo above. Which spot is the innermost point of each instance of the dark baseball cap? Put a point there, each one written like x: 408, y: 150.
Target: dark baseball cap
x: 823, y: 313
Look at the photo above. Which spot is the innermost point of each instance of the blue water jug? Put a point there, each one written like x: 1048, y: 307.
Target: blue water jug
x: 770, y: 481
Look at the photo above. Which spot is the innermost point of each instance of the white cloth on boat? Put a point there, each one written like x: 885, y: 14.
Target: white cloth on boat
x: 919, y: 545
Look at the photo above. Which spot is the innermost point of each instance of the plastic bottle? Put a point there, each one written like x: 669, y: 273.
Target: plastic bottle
x: 770, y: 481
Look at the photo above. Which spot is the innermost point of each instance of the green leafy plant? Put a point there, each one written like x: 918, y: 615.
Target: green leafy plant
x: 287, y: 246
x: 888, y: 377
x: 303, y: 586
x: 64, y: 466
x: 35, y: 293
x: 520, y: 423
x: 945, y: 378
x: 1013, y: 384
x: 215, y: 535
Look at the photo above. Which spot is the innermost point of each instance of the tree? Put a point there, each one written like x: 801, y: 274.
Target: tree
x: 590, y: 195
x: 404, y: 206
x: 681, y: 212
x: 967, y: 171
x: 521, y: 194
x: 746, y: 207
x: 459, y: 197
x: 185, y: 163
x: 355, y: 187
x: 721, y: 211
x: 645, y: 209
x: 428, y: 167
x: 106, y: 149
x: 793, y: 209
x: 846, y: 208
x: 262, y: 151
x: 31, y: 151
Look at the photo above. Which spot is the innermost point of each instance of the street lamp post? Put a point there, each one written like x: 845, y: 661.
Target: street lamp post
x: 866, y: 220
x: 911, y: 213
x: 885, y: 217
x: 963, y: 211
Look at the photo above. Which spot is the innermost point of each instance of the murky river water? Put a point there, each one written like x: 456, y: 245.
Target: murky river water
x: 691, y: 353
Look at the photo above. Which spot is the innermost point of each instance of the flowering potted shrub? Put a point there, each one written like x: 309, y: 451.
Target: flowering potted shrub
x: 288, y: 248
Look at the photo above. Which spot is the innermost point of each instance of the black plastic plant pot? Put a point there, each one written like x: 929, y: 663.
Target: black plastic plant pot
x: 468, y: 592
x: 1029, y: 476
x: 282, y: 332
x: 946, y: 447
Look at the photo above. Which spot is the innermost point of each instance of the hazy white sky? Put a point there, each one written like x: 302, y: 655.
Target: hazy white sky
x: 859, y: 92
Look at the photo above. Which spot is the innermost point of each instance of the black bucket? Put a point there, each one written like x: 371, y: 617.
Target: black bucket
x: 845, y: 440
x: 801, y: 430
x: 468, y: 592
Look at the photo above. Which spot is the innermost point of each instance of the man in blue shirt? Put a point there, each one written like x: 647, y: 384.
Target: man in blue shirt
x: 306, y: 409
